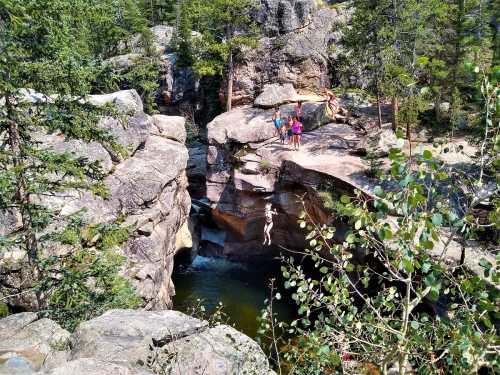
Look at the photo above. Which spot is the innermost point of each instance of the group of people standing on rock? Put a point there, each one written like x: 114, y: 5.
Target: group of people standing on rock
x: 289, y: 129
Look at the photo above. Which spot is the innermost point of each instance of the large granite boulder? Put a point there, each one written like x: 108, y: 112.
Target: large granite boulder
x: 162, y: 36
x: 275, y: 95
x: 241, y: 125
x: 126, y: 101
x: 247, y: 124
x: 28, y: 343
x: 124, y: 63
x: 91, y: 366
x: 124, y: 336
x: 171, y: 127
x: 169, y: 340
x: 127, y: 342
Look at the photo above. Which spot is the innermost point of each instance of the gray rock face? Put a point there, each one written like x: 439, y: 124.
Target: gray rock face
x: 219, y: 350
x: 253, y: 125
x: 275, y: 95
x: 284, y: 16
x: 122, y: 336
x: 27, y: 344
x: 241, y: 125
x: 147, y: 186
x: 91, y: 366
x: 162, y: 40
x: 123, y: 63
x: 126, y: 101
x: 170, y: 127
x: 197, y: 170
x: 177, y: 84
x: 127, y: 342
x: 296, y: 48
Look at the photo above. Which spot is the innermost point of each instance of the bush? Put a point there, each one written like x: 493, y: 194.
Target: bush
x: 86, y: 281
x: 4, y: 310
x: 265, y: 166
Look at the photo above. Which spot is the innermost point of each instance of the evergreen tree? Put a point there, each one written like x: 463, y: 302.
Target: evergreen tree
x: 158, y: 11
x: 48, y: 63
x: 225, y: 27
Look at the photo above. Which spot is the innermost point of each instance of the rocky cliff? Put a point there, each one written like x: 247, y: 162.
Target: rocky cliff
x: 147, y: 190
x: 127, y: 342
x: 248, y: 167
x: 300, y: 43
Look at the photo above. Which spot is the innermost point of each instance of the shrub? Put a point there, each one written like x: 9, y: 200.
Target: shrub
x: 86, y: 281
x: 375, y: 311
x: 265, y: 166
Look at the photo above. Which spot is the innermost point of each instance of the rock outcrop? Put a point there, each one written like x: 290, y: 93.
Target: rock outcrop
x: 27, y: 344
x: 248, y: 167
x: 177, y: 84
x: 275, y: 95
x: 147, y: 189
x: 300, y: 44
x: 130, y: 342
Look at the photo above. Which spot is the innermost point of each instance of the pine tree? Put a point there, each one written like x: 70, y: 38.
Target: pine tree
x: 226, y: 26
x: 48, y: 63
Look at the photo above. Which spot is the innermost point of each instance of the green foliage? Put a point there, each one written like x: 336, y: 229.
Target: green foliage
x: 225, y: 26
x: 51, y: 54
x: 85, y: 282
x: 214, y: 318
x: 377, y: 310
x: 142, y: 76
x: 373, y: 163
x: 158, y: 11
x: 265, y: 166
x: 409, y: 45
x: 4, y: 310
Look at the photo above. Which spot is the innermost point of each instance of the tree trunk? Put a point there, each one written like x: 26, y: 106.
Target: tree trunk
x: 459, y: 25
x: 395, y: 110
x: 379, y: 106
x: 230, y: 72
x: 437, y: 107
x: 22, y: 198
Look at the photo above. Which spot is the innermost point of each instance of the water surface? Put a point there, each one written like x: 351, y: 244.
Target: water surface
x: 242, y: 288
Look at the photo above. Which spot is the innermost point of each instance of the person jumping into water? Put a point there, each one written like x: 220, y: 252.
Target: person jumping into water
x: 269, y: 223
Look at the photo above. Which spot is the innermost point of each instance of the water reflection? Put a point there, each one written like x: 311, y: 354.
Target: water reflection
x: 242, y: 288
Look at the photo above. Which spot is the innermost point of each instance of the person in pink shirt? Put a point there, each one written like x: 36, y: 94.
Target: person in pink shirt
x: 297, y: 133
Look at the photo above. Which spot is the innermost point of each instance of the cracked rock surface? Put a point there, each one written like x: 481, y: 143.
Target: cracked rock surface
x: 127, y: 342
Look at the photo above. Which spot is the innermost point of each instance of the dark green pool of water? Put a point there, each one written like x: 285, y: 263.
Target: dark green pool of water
x: 242, y: 288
